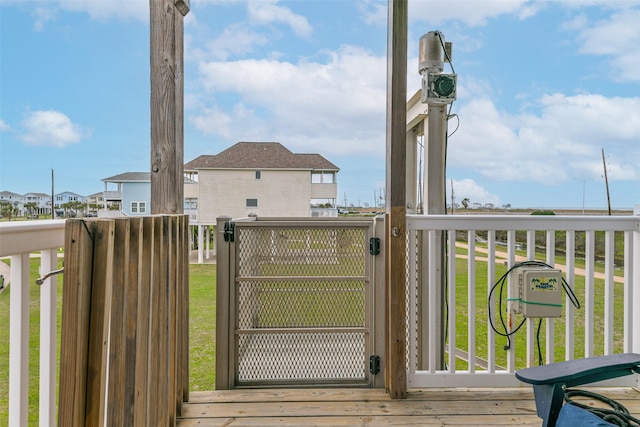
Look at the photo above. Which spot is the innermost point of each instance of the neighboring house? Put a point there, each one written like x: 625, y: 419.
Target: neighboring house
x: 134, y: 189
x: 14, y: 199
x: 42, y: 201
x: 264, y: 179
x: 63, y: 198
x: 133, y: 193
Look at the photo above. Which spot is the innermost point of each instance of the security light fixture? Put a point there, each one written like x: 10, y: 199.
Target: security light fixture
x: 437, y: 88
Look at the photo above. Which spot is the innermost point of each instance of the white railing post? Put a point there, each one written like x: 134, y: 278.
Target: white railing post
x: 635, y: 282
x: 48, y: 330
x: 19, y: 341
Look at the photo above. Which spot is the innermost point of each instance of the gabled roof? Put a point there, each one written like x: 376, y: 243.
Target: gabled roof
x: 130, y: 177
x: 260, y: 155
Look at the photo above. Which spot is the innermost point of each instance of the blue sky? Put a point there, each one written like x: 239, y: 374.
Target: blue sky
x: 543, y: 87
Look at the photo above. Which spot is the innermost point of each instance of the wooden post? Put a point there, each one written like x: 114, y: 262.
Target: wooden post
x: 167, y: 101
x: 396, y: 196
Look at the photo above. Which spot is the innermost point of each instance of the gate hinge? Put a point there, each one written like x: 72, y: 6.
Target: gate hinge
x: 374, y: 246
x: 229, y: 231
x: 374, y: 364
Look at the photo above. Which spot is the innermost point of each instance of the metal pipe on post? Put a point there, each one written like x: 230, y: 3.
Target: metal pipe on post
x: 438, y: 90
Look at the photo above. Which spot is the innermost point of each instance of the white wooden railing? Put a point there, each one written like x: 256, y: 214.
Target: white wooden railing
x: 431, y: 366
x: 20, y: 241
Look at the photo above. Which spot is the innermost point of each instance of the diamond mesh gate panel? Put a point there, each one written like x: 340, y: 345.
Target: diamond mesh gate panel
x: 301, y: 298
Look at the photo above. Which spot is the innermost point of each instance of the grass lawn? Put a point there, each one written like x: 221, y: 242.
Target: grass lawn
x: 202, y: 281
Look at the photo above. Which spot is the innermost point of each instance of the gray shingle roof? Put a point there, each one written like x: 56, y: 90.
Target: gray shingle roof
x: 130, y: 177
x: 260, y: 155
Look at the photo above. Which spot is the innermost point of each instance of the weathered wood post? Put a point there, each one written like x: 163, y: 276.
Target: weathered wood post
x: 396, y: 196
x: 167, y: 105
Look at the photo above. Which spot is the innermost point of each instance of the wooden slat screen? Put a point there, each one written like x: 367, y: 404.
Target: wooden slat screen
x: 124, y: 351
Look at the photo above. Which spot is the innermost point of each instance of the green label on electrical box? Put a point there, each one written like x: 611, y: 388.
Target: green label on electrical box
x: 544, y: 284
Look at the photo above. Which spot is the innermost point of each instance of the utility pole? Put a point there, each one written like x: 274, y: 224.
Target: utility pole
x: 53, y: 211
x: 167, y: 105
x: 606, y: 182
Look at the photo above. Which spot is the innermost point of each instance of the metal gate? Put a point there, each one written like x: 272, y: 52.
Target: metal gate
x: 301, y: 302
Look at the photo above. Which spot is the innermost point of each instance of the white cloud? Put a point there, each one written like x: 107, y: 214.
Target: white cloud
x: 338, y: 105
x: 50, y: 128
x: 471, y: 12
x: 236, y: 39
x: 469, y: 189
x: 267, y: 12
x: 564, y: 140
x: 4, y: 126
x: 616, y: 38
x: 103, y: 10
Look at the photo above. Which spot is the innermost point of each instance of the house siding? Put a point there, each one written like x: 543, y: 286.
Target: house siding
x: 324, y: 191
x: 279, y: 193
x: 136, y: 192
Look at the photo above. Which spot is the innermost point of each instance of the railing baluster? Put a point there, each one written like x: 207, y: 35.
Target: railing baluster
x: 48, y: 331
x: 608, y: 291
x: 491, y: 278
x: 550, y: 259
x: 532, y: 358
x: 589, y: 294
x: 452, y: 300
x: 19, y: 341
x: 433, y: 304
x: 628, y: 293
x: 413, y: 359
x: 569, y: 310
x: 511, y: 259
x: 471, y: 302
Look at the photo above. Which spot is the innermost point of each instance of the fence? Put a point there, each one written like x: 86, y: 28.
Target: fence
x: 22, y: 240
x: 124, y: 346
x: 473, y: 353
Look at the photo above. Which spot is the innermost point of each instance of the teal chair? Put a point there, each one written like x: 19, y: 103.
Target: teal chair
x: 549, y: 383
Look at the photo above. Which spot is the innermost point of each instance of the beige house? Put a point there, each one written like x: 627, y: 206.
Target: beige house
x: 263, y: 179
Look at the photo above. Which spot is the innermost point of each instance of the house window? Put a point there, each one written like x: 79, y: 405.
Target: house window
x: 258, y: 174
x: 252, y: 203
x: 322, y: 177
x: 139, y: 207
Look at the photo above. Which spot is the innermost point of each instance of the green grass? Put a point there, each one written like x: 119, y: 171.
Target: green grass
x: 202, y: 336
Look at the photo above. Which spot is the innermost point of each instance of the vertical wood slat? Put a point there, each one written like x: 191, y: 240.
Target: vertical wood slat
x: 117, y: 350
x: 101, y: 299
x: 532, y: 358
x: 142, y: 390
x: 75, y: 321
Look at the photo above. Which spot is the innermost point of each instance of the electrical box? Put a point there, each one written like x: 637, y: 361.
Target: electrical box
x: 537, y: 291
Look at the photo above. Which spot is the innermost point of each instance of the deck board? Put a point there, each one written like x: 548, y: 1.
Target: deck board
x: 372, y: 407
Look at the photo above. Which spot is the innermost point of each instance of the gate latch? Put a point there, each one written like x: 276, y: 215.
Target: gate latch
x: 374, y: 364
x: 229, y: 231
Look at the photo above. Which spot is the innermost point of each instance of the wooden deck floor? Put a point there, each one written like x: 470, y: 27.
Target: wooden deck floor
x: 372, y: 407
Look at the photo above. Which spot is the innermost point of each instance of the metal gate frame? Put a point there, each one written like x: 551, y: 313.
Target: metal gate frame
x: 288, y: 357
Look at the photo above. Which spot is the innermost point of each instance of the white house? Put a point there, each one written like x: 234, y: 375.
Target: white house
x: 264, y: 179
x: 42, y: 201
